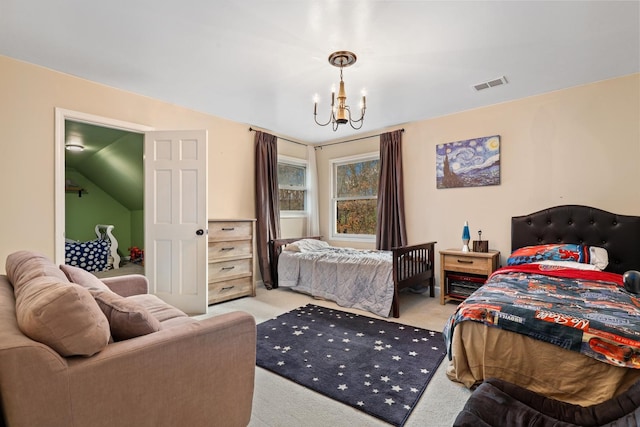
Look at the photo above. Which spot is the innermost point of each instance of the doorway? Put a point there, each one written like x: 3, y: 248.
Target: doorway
x: 175, y: 207
x: 101, y: 129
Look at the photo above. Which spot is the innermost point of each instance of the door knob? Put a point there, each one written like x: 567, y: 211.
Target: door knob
x: 200, y: 232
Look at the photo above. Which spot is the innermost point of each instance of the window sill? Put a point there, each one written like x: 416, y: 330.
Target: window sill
x: 363, y: 239
x: 293, y: 214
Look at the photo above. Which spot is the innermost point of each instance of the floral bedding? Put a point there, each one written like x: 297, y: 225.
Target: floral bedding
x: 589, y: 312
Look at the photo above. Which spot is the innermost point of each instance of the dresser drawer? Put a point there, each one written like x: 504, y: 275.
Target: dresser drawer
x: 230, y: 249
x: 231, y: 269
x: 230, y: 230
x: 467, y: 264
x: 229, y: 289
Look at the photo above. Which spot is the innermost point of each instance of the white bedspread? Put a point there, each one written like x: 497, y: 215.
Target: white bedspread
x: 352, y: 278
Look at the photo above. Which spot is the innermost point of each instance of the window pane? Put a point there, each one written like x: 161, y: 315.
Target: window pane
x: 291, y: 175
x: 356, y: 216
x: 357, y: 179
x: 291, y: 200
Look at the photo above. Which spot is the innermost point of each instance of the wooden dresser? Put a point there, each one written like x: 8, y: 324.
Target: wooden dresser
x: 231, y: 243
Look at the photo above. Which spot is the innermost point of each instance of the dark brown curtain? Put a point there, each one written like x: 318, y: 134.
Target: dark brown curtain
x: 391, y: 229
x: 267, y: 209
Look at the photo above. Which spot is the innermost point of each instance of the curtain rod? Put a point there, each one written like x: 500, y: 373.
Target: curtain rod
x: 279, y: 137
x: 350, y: 140
x: 332, y: 143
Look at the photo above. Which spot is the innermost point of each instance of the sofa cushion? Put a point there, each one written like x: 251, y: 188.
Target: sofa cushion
x: 62, y: 315
x: 127, y: 318
x: 22, y: 266
x: 83, y: 278
x: 157, y: 307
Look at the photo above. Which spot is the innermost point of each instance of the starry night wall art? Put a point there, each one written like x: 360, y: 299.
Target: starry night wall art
x: 469, y: 163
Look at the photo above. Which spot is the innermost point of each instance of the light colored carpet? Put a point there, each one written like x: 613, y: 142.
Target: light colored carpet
x: 280, y: 402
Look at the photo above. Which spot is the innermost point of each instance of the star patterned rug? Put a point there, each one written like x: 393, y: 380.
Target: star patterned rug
x: 376, y: 366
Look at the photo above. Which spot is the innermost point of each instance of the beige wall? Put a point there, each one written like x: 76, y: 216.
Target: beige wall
x: 29, y: 97
x: 575, y: 146
x: 580, y: 145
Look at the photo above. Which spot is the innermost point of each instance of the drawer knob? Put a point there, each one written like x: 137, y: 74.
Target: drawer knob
x: 228, y: 268
x: 464, y: 261
x: 227, y: 249
x: 228, y: 228
x: 226, y: 288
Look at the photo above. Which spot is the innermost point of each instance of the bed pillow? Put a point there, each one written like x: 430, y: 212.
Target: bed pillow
x: 83, y: 278
x: 560, y: 252
x: 292, y: 247
x: 568, y: 264
x: 599, y: 257
x: 306, y: 245
x: 127, y: 318
x: 90, y: 256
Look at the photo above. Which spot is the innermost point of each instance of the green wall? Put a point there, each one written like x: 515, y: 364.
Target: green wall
x: 97, y: 207
x: 137, y: 229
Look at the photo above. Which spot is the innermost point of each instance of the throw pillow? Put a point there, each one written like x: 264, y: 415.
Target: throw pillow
x: 83, y: 278
x: 127, y: 319
x: 23, y: 266
x: 63, y: 316
x: 157, y: 307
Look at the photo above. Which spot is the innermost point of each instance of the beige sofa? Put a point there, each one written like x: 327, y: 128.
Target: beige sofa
x: 74, y: 353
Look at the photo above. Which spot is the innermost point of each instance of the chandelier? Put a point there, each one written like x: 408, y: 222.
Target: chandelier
x: 340, y: 112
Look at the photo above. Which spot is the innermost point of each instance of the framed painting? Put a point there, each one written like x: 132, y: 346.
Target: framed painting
x: 469, y: 163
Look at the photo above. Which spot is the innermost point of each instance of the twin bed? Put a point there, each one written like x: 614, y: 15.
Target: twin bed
x: 366, y: 279
x: 564, y: 329
x: 96, y: 255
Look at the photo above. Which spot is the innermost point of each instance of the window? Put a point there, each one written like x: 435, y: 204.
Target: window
x: 292, y: 185
x: 355, y: 197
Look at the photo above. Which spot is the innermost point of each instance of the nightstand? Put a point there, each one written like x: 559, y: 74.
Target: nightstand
x: 461, y: 273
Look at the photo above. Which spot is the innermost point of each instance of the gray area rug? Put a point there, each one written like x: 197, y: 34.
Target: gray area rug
x: 376, y: 366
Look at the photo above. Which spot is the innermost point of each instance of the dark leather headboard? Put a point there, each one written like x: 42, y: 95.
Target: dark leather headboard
x: 618, y: 234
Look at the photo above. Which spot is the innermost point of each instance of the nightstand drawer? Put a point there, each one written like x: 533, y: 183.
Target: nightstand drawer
x: 465, y: 264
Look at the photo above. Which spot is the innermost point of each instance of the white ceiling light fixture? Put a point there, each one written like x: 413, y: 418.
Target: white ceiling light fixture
x: 74, y: 147
x: 341, y: 113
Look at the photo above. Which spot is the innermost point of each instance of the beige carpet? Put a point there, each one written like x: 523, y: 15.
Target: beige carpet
x: 280, y: 402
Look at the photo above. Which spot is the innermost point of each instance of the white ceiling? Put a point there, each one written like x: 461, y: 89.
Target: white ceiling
x: 260, y: 62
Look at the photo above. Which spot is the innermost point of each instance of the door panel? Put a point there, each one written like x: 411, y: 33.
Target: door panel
x: 175, y: 209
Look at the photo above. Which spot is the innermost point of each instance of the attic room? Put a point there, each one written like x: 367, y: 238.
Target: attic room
x: 567, y: 113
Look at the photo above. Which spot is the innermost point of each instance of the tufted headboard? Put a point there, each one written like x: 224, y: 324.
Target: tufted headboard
x: 618, y: 234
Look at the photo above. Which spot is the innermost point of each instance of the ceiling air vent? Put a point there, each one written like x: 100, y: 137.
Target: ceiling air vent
x: 491, y: 83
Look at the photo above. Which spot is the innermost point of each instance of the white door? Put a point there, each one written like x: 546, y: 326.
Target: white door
x: 175, y: 212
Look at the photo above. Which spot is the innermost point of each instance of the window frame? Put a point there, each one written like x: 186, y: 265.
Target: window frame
x: 334, y: 163
x: 294, y: 161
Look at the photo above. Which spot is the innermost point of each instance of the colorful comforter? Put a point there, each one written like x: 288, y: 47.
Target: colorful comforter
x: 584, y: 311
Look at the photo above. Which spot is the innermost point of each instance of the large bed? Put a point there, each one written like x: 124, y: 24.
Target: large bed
x: 561, y: 327
x: 365, y: 279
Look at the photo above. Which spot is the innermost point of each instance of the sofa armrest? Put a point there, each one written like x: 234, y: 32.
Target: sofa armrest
x: 128, y: 284
x: 205, y: 369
